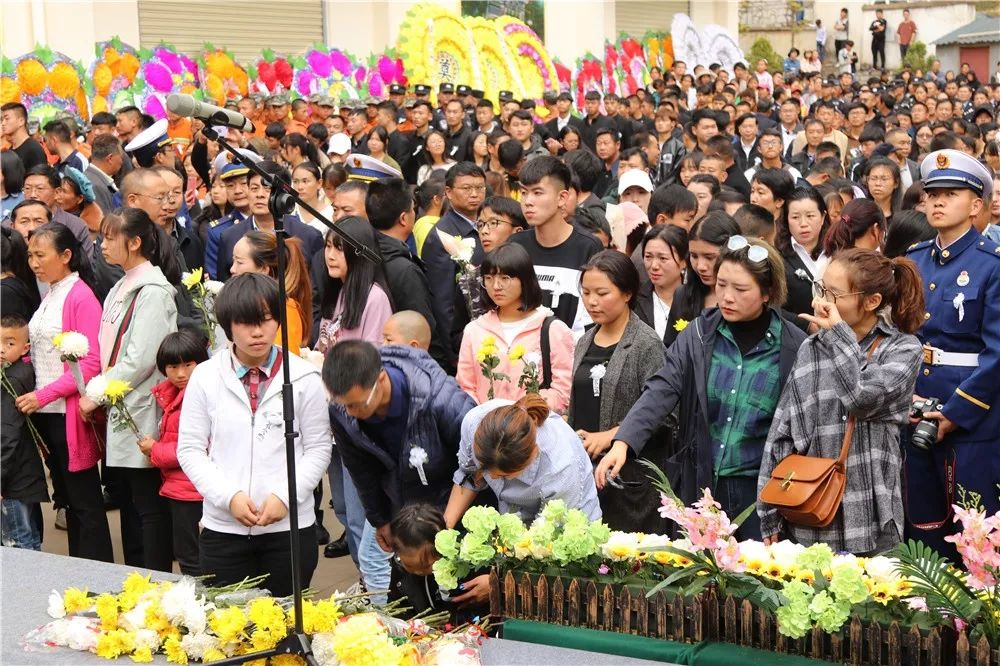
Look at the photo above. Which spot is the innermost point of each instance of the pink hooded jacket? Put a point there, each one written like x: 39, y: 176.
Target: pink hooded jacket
x: 81, y: 313
x: 470, y: 376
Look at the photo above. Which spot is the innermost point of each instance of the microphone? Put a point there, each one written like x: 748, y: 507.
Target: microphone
x: 188, y: 107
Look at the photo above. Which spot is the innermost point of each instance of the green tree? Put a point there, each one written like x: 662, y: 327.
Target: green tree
x: 916, y: 56
x: 762, y: 49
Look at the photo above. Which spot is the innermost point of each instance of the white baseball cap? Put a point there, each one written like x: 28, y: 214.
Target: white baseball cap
x: 634, y: 178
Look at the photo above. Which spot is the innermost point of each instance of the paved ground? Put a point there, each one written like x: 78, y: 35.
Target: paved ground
x: 335, y: 574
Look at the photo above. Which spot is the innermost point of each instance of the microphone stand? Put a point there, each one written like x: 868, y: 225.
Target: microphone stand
x: 280, y: 203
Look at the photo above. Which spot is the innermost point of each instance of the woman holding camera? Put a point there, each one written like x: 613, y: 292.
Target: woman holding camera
x: 858, y: 367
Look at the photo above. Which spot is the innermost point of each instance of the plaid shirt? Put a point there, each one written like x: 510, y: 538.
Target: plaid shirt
x: 832, y: 378
x: 743, y: 392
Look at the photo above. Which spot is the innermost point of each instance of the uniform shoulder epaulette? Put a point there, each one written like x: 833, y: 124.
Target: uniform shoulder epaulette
x: 989, y: 247
x: 213, y: 223
x: 919, y: 246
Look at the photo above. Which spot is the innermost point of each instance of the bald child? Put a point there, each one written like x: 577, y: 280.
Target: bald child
x: 407, y: 328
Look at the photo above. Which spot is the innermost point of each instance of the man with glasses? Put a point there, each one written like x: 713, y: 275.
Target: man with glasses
x: 41, y: 182
x: 177, y: 226
x: 397, y: 421
x: 465, y: 187
x: 769, y: 148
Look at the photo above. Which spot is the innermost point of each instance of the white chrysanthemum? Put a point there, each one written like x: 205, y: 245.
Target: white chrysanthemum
x: 213, y: 287
x: 882, y: 569
x: 56, y: 607
x: 754, y: 550
x: 96, y: 388
x: 176, y: 599
x: 195, y: 645
x: 195, y: 616
x: 323, y: 652
x: 147, y: 638
x: 621, y: 546
x: 784, y: 553
x: 533, y: 358
x: 135, y: 619
x: 74, y: 344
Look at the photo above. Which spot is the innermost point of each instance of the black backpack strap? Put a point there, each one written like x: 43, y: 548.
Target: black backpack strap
x: 546, y: 348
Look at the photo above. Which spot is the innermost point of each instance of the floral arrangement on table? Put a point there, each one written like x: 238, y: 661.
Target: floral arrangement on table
x: 187, y: 622
x: 112, y: 74
x: 804, y: 587
x: 204, y: 293
x: 49, y: 83
x: 163, y: 70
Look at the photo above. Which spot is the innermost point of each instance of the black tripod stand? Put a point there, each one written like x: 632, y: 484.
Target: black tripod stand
x: 282, y: 202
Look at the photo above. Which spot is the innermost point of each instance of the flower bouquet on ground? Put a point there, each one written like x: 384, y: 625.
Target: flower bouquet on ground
x: 203, y: 293
x: 461, y: 250
x: 72, y: 347
x: 110, y: 393
x: 188, y: 622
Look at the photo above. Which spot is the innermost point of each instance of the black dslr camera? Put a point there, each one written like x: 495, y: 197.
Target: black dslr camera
x: 925, y: 433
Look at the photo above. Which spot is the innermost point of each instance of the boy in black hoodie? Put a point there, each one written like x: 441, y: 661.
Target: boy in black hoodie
x: 22, y: 477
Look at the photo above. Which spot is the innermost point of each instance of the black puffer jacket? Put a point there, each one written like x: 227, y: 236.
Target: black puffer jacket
x: 21, y: 473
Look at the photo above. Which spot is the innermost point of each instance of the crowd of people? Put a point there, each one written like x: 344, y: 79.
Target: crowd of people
x: 719, y: 271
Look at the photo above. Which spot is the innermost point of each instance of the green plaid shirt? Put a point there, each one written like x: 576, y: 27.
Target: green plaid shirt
x: 743, y: 393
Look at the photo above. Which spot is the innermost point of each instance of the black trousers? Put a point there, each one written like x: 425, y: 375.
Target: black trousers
x: 145, y: 517
x: 184, y: 517
x: 878, y: 49
x: 86, y: 522
x: 230, y: 558
x: 903, y: 48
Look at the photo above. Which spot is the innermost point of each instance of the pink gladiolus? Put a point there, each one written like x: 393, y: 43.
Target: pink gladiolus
x: 359, y: 76
x: 321, y: 63
x: 170, y: 59
x: 376, y: 87
x: 157, y: 76
x: 303, y: 82
x: 154, y: 107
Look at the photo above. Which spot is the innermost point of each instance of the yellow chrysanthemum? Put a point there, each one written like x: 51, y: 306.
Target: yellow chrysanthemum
x: 287, y: 660
x: 115, y: 391
x: 267, y: 615
x: 680, y: 325
x: 57, y: 340
x: 212, y: 654
x: 32, y: 76
x: 113, y: 644
x: 156, y: 619
x: 142, y: 655
x: 64, y: 80
x: 228, y: 623
x: 516, y: 353
x: 193, y: 278
x: 106, y: 606
x: 320, y: 616
x: 175, y: 653
x: 363, y: 640
x: 75, y: 600
x: 135, y: 583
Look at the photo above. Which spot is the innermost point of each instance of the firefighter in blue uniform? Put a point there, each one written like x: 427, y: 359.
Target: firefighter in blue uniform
x: 235, y: 176
x: 961, y: 363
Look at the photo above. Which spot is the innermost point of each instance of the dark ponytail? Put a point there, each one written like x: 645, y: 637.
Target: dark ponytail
x: 897, y: 280
x: 155, y: 245
x: 506, y: 438
x: 856, y: 218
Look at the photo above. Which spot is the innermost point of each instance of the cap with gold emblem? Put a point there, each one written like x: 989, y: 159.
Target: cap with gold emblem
x: 148, y: 143
x: 367, y: 168
x: 956, y: 170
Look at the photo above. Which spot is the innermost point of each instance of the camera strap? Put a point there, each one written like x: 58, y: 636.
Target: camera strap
x: 949, y: 490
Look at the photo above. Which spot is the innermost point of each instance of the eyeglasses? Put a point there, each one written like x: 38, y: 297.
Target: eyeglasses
x: 469, y: 189
x: 354, y: 407
x: 820, y: 290
x: 497, y: 280
x: 755, y: 253
x: 28, y: 190
x: 491, y: 225
x: 163, y: 198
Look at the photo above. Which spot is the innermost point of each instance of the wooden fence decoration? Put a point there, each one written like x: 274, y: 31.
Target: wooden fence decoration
x: 625, y: 609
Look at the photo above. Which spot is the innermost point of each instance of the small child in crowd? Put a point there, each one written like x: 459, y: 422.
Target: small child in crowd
x: 177, y: 357
x: 407, y: 328
x: 22, y: 476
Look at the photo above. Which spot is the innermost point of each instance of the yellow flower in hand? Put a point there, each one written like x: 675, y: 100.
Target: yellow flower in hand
x: 681, y: 324
x: 516, y: 353
x: 116, y: 390
x: 193, y: 278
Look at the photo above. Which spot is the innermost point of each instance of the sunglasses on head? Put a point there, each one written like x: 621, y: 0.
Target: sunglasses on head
x: 755, y: 253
